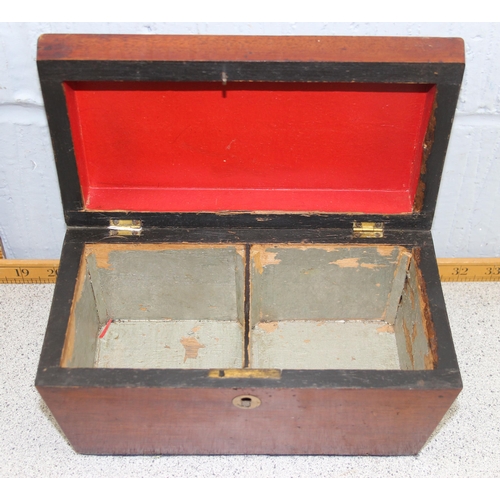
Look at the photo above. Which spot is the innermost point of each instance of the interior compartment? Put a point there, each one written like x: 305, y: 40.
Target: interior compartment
x: 337, y: 307
x: 170, y: 306
x: 308, y: 307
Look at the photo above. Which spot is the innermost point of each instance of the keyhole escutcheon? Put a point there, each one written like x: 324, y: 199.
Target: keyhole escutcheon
x: 246, y: 402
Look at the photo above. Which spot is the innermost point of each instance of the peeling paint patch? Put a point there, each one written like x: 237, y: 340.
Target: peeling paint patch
x: 385, y: 251
x: 409, y: 346
x: 195, y: 329
x: 309, y: 271
x: 412, y: 298
x: 414, y: 333
x: 429, y: 361
x: 262, y: 258
x: 386, y: 329
x: 268, y: 327
x: 101, y: 254
x: 240, y: 251
x: 371, y: 266
x: 326, y: 248
x: 192, y: 346
x: 353, y: 262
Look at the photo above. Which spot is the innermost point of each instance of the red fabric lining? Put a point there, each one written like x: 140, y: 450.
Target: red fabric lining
x: 249, y: 146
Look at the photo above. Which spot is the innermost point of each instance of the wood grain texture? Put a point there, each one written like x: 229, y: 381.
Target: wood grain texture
x: 289, y: 421
x: 249, y: 48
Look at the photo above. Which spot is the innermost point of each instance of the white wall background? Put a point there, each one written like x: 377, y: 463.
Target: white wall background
x: 467, y: 222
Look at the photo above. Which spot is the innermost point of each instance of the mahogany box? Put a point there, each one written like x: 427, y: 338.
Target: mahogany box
x: 248, y: 266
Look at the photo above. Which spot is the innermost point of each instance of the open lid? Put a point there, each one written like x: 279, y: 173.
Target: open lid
x: 207, y: 125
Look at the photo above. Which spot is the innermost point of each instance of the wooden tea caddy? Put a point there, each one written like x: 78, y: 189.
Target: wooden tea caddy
x: 248, y: 266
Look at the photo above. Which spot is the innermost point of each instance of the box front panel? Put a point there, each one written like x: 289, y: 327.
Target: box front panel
x: 287, y: 421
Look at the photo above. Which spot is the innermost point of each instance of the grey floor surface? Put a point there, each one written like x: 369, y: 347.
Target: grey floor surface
x: 466, y: 443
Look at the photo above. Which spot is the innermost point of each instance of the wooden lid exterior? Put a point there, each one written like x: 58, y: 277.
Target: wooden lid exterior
x: 308, y: 129
x: 363, y: 49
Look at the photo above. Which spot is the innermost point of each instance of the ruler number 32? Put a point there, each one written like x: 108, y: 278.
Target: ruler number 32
x: 460, y: 271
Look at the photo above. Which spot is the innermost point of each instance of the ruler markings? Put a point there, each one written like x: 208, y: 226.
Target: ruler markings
x: 45, y: 271
x: 487, y: 269
x: 28, y: 271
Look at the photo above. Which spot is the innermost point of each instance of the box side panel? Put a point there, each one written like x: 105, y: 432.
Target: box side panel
x: 288, y: 421
x: 397, y: 286
x: 100, y: 298
x: 83, y: 325
x: 413, y: 332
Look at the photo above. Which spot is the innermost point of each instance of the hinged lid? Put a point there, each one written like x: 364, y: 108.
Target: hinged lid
x: 308, y: 130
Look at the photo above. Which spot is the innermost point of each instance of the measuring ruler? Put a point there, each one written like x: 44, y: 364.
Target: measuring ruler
x: 28, y: 271
x: 45, y: 271
x: 486, y: 269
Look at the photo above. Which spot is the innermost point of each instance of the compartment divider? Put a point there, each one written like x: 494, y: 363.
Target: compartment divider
x: 246, y: 341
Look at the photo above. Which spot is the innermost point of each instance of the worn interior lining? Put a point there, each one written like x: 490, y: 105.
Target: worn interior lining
x: 171, y: 303
x: 310, y: 307
x: 325, y: 306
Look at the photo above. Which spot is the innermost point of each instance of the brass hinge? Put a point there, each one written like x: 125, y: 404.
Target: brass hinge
x: 368, y: 229
x: 124, y: 227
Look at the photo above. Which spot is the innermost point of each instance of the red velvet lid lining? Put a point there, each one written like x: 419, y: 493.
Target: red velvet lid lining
x: 290, y: 147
